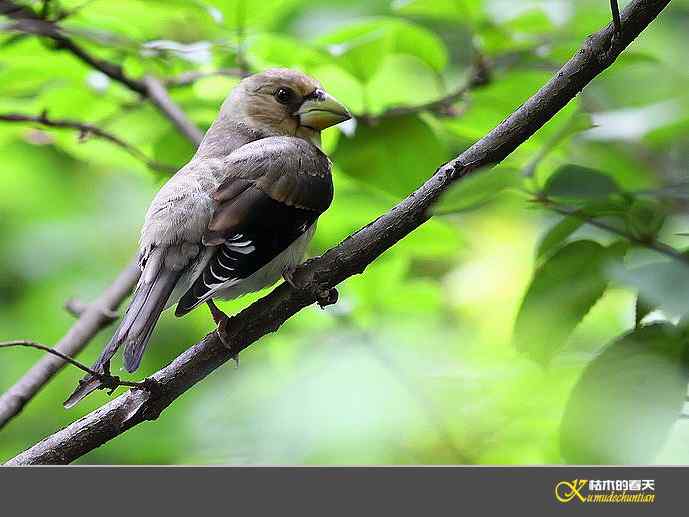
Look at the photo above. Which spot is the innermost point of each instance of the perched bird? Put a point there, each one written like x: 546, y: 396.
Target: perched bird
x: 239, y: 215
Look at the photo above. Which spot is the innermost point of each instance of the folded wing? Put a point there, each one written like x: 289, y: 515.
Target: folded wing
x: 275, y: 190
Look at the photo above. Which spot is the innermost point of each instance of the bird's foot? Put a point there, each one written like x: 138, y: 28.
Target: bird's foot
x: 222, y: 320
x: 325, y: 297
x: 288, y: 276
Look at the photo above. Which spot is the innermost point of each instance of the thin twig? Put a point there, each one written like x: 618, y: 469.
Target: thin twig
x: 109, y: 382
x: 348, y: 258
x: 77, y: 307
x: 160, y: 97
x: 27, y: 21
x: 85, y: 130
x: 90, y: 322
x: 32, y: 344
x: 478, y: 76
x: 651, y: 244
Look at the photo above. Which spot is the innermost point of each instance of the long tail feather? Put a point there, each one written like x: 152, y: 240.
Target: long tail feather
x: 135, y: 329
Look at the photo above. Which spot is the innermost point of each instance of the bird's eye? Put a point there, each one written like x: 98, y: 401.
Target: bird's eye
x: 283, y: 95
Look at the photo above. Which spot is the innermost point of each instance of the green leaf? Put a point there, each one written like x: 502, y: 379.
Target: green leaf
x: 574, y: 182
x: 401, y: 80
x: 642, y: 308
x: 477, y: 189
x: 444, y: 10
x: 172, y: 148
x: 645, y: 218
x: 579, y: 121
x: 362, y: 47
x: 247, y: 14
x: 389, y: 157
x: 265, y: 50
x: 563, y: 290
x: 557, y: 234
x: 664, y: 284
x: 627, y: 399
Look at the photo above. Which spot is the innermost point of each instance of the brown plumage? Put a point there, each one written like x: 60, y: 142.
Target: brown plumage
x: 239, y: 214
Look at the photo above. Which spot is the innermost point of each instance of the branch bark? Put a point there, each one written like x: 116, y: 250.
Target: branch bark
x: 93, y: 318
x: 28, y: 21
x: 347, y: 258
x: 85, y: 130
x: 161, y: 99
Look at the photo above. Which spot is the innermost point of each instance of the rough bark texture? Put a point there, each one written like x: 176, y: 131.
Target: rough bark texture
x: 347, y: 258
x: 92, y: 319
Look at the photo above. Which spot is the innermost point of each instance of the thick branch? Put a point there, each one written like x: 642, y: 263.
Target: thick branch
x: 346, y: 259
x: 85, y: 130
x: 92, y: 319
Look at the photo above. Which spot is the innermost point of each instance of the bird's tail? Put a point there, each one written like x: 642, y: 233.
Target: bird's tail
x: 148, y: 302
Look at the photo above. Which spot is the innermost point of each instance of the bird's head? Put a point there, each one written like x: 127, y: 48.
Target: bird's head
x: 281, y: 101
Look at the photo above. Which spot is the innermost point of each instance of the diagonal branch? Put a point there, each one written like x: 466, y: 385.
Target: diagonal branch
x: 28, y: 21
x: 93, y: 318
x: 651, y: 244
x: 85, y: 130
x: 161, y: 99
x: 81, y: 333
x: 38, y: 346
x: 348, y: 258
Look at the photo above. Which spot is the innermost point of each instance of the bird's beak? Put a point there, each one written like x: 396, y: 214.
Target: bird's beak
x: 321, y: 110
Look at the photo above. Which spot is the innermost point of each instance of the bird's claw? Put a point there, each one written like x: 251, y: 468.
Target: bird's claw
x: 152, y: 386
x: 325, y: 297
x: 221, y: 331
x: 288, y: 276
x: 222, y: 320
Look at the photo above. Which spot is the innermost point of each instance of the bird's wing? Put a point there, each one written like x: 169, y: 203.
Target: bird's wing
x: 275, y: 189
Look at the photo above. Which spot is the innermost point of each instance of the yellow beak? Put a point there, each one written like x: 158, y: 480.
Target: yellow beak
x: 322, y: 111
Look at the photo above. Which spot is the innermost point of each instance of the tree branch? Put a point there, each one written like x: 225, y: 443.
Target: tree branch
x: 478, y: 76
x: 160, y: 98
x: 651, y: 244
x: 38, y: 346
x: 85, y: 130
x: 27, y: 21
x: 109, y: 382
x: 93, y: 318
x: 348, y: 258
x: 90, y: 322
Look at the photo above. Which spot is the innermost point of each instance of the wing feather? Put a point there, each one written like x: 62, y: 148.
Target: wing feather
x: 275, y: 190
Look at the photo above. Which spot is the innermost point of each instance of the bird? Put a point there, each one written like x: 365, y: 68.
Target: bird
x: 238, y: 216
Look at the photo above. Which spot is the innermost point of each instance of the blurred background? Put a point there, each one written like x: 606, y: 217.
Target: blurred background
x: 420, y: 361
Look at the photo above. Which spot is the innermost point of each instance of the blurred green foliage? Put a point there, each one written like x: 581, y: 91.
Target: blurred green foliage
x: 417, y: 363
